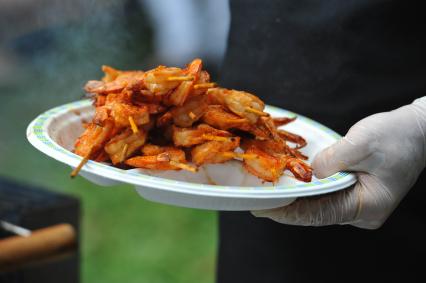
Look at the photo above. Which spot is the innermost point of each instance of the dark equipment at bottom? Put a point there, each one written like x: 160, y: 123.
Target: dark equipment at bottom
x: 50, y: 253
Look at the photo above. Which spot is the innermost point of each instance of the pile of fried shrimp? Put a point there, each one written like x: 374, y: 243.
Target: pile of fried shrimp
x: 171, y: 118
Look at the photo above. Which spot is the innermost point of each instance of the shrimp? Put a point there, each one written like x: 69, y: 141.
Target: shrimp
x: 118, y: 108
x: 124, y: 96
x: 242, y: 103
x: 99, y: 100
x: 272, y: 160
x: 266, y: 126
x: 181, y: 93
x: 288, y: 136
x: 191, y: 136
x: 91, y: 142
x: 300, y: 170
x: 194, y: 68
x: 281, y: 121
x: 276, y: 147
x: 152, y: 149
x: 110, y: 73
x: 202, y: 84
x: 218, y: 117
x: 265, y: 166
x: 121, y: 113
x: 298, y: 140
x: 157, y: 80
x: 115, y: 81
x: 190, y: 112
x: 124, y: 145
x: 159, y: 158
x: 212, y: 151
x: 152, y: 108
x: 145, y: 96
x: 180, y: 112
x: 102, y: 113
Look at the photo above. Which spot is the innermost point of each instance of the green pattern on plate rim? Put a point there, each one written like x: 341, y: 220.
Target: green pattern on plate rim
x: 40, y: 131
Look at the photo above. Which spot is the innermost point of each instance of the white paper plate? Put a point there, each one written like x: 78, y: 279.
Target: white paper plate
x: 55, y: 131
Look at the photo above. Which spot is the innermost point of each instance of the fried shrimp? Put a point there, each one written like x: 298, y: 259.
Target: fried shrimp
x: 171, y: 118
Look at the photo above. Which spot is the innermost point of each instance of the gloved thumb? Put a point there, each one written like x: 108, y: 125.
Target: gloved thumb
x: 347, y: 154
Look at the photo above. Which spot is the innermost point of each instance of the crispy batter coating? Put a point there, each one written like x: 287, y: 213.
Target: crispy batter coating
x: 159, y: 158
x: 123, y: 145
x: 264, y: 166
x: 94, y: 138
x: 218, y: 117
x: 116, y: 82
x: 190, y: 112
x: 187, y: 137
x: 150, y: 119
x: 210, y: 152
x: 274, y: 158
x: 238, y: 102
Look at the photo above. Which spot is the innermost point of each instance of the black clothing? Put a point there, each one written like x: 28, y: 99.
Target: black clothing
x: 336, y: 62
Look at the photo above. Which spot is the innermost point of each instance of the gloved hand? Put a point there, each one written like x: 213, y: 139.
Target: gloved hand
x: 388, y: 152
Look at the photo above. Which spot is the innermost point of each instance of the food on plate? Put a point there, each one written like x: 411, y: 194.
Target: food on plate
x: 170, y: 118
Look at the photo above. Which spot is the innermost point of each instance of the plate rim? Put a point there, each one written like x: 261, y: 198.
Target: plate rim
x: 38, y: 136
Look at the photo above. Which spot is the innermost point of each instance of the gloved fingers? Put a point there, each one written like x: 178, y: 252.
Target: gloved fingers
x: 336, y: 208
x: 377, y: 202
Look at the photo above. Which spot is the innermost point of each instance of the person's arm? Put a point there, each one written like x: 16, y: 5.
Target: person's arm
x: 387, y: 150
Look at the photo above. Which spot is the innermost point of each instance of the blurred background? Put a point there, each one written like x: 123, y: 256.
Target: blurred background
x: 48, y: 50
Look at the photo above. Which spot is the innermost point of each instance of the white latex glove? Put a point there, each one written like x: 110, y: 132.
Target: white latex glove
x: 388, y: 152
